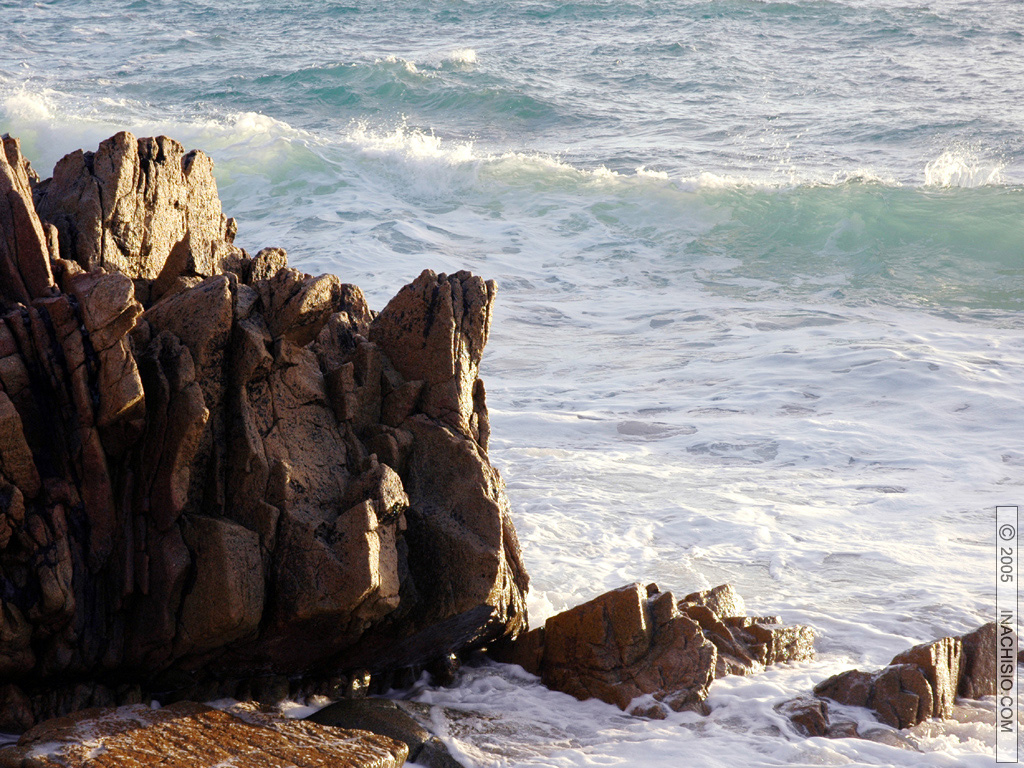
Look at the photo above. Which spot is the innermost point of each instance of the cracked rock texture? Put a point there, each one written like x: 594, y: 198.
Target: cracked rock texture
x: 642, y: 650
x: 188, y: 735
x: 218, y: 472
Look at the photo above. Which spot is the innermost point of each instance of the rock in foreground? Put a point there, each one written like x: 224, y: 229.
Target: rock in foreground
x: 188, y: 735
x: 218, y: 473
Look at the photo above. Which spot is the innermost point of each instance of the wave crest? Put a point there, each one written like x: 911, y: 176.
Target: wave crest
x: 961, y: 167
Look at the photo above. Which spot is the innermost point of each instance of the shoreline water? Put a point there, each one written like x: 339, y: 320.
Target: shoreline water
x: 636, y: 435
x: 793, y: 326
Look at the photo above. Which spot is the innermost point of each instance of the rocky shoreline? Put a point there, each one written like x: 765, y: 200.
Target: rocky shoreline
x: 222, y: 477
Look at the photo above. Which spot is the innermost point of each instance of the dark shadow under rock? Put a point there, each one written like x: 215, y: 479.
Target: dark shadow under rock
x: 388, y: 718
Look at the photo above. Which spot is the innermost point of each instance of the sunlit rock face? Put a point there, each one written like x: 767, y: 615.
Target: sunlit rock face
x: 189, y: 735
x: 644, y: 651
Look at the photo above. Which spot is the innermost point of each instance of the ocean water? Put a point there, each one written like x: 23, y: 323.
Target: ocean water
x: 761, y: 281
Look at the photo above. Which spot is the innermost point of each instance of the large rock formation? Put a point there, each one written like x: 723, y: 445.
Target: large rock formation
x: 216, y: 470
x: 638, y: 642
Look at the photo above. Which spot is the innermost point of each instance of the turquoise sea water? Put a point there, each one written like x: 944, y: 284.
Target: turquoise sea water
x: 761, y: 278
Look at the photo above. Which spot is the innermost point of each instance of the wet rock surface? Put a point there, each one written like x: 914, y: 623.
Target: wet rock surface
x: 388, y: 718
x: 920, y: 683
x: 216, y: 470
x: 188, y: 735
x: 637, y: 641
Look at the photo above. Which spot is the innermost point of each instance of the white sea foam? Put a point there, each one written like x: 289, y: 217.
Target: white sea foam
x: 962, y: 167
x: 461, y: 56
x: 24, y: 106
x: 744, y: 331
x: 407, y: 65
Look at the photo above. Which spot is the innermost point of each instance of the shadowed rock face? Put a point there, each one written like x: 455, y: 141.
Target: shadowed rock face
x: 215, y: 467
x: 388, y: 718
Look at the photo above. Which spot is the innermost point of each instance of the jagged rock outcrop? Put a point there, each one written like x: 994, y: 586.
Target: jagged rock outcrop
x: 215, y: 469
x: 918, y: 684
x: 24, y: 252
x: 636, y: 641
x: 188, y: 735
x: 142, y: 207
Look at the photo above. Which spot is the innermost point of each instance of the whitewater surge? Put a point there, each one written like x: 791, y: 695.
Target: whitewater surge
x: 760, y: 272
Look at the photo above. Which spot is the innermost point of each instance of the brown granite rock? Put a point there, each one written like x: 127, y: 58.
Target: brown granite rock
x: 769, y: 641
x: 188, y: 735
x: 852, y: 687
x: 201, y: 318
x: 237, y: 483
x: 109, y: 312
x: 638, y: 640
x: 723, y: 600
x: 921, y: 682
x: 527, y: 650
x: 16, y: 462
x: 15, y: 709
x: 142, y: 207
x: 452, y: 315
x: 733, y: 658
x: 459, y: 505
x: 177, y: 417
x: 625, y: 644
x: 225, y: 601
x: 266, y: 264
x: 940, y: 662
x: 808, y: 714
x: 978, y: 667
x: 297, y: 306
x: 24, y: 252
x: 899, y: 694
x: 388, y: 718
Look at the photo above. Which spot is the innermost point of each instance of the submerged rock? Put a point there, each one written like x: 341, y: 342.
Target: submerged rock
x: 215, y: 468
x: 636, y: 641
x: 808, y: 714
x: 918, y: 684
